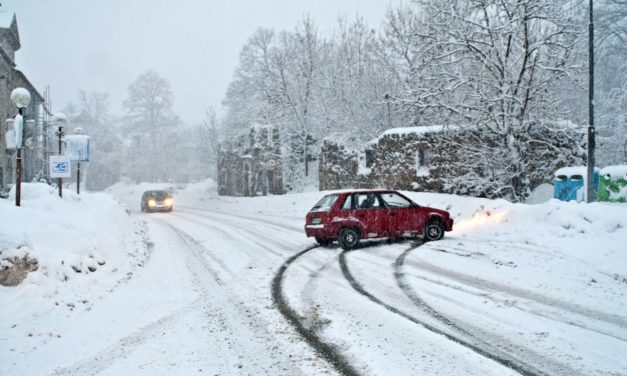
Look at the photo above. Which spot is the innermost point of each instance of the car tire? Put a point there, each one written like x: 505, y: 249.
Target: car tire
x: 324, y: 241
x: 349, y: 238
x: 434, y: 230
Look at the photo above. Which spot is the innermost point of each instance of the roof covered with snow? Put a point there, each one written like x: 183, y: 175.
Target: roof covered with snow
x: 404, y: 131
x: 615, y: 172
x: 575, y: 170
x: 6, y: 19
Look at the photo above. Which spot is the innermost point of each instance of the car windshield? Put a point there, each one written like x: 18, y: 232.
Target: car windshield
x: 325, y: 203
x: 158, y: 195
x: 394, y: 200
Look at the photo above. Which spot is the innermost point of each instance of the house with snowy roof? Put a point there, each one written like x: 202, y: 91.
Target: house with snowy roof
x: 11, y: 78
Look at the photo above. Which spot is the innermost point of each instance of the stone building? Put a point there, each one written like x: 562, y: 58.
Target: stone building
x: 338, y: 168
x: 35, y: 151
x: 436, y: 159
x: 401, y: 158
x: 253, y: 166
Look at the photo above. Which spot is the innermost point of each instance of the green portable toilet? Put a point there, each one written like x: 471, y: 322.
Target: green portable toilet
x: 613, y: 184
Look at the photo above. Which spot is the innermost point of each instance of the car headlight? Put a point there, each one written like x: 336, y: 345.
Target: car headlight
x: 151, y: 203
x: 168, y: 202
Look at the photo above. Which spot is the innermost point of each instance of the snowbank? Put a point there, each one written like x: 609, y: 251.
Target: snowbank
x: 72, y: 238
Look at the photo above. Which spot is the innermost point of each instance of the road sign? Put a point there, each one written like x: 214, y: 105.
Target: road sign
x: 60, y: 167
x: 77, y: 147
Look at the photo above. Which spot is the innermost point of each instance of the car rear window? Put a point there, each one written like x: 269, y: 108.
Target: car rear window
x: 325, y: 203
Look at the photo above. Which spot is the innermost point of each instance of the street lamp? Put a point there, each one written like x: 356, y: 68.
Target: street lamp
x: 60, y: 119
x: 21, y: 98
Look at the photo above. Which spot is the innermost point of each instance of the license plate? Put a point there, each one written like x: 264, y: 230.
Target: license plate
x: 315, y: 221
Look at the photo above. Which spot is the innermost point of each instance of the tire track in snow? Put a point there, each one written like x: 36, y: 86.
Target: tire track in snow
x: 230, y: 232
x: 106, y: 357
x: 255, y: 323
x: 326, y: 350
x: 503, y: 360
x: 266, y: 221
x: 470, y: 330
x: 469, y: 280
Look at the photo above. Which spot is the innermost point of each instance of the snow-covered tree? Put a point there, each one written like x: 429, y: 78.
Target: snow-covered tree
x: 611, y: 80
x: 493, y: 66
x: 150, y: 126
x: 91, y: 112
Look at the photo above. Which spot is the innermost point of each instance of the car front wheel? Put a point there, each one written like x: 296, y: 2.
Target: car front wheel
x: 349, y: 238
x: 434, y: 231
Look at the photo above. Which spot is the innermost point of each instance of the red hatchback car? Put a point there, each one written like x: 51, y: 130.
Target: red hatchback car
x: 366, y: 214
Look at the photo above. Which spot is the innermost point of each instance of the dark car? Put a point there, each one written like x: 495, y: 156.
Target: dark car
x: 349, y: 217
x: 157, y: 201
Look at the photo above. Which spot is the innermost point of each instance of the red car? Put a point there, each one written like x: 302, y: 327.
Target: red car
x: 366, y: 214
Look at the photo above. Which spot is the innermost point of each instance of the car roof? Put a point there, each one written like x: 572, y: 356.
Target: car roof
x: 363, y: 190
x: 156, y: 191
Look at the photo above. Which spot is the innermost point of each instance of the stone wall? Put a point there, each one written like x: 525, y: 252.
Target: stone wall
x: 338, y: 168
x: 437, y: 159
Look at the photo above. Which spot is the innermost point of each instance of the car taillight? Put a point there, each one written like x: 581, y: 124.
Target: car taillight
x: 319, y: 220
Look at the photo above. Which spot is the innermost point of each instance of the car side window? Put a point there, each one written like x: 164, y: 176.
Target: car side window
x: 394, y: 200
x: 367, y: 201
x: 348, y: 203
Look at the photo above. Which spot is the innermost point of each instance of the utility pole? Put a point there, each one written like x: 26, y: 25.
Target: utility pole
x: 590, y: 194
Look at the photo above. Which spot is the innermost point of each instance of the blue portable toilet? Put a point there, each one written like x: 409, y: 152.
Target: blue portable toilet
x: 570, y: 183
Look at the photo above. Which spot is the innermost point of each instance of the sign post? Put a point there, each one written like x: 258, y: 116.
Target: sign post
x: 77, y: 149
x: 60, y: 167
x: 60, y: 119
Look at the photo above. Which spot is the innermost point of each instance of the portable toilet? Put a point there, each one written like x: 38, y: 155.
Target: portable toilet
x: 570, y: 183
x: 613, y: 184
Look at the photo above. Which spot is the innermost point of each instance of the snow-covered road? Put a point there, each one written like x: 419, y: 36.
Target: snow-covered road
x: 232, y: 286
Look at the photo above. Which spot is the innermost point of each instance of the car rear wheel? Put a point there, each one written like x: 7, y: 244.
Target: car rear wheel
x: 324, y: 241
x: 434, y: 230
x: 349, y: 238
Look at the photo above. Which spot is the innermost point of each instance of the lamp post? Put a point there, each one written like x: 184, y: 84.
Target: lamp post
x: 21, y: 98
x: 60, y: 119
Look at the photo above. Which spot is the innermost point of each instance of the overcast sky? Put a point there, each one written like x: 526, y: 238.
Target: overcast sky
x: 105, y: 45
